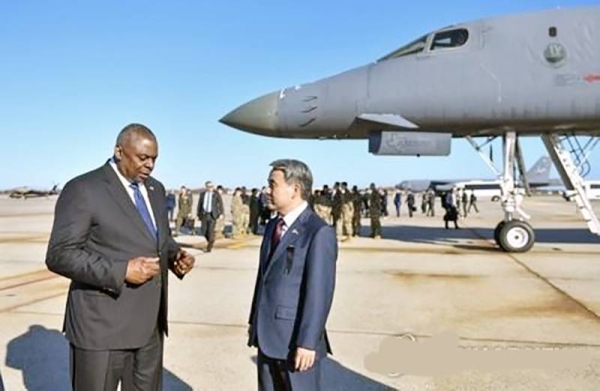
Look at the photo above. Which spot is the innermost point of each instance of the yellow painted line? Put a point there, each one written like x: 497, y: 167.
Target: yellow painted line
x: 236, y: 246
x: 25, y: 239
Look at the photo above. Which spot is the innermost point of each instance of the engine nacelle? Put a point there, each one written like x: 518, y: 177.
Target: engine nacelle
x: 410, y: 143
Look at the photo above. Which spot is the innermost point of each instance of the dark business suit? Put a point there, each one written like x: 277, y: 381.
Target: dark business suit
x: 292, y: 299
x: 210, y: 216
x: 97, y: 229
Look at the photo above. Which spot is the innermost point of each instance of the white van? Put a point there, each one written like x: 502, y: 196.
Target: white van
x: 483, y: 189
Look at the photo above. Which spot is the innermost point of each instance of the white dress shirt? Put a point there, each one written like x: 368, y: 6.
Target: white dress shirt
x: 291, y: 217
x: 207, y: 201
x: 129, y: 190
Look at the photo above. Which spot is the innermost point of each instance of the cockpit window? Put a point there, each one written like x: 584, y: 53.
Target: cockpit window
x: 450, y: 39
x: 412, y: 48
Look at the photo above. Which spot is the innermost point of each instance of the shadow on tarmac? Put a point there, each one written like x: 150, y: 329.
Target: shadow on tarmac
x: 433, y: 235
x: 42, y: 355
x: 336, y: 377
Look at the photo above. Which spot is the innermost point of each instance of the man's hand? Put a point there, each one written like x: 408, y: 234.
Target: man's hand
x: 304, y: 359
x: 183, y: 263
x: 141, y: 269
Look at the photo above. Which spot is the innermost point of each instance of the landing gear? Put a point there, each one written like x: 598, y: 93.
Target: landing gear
x: 512, y: 234
x: 515, y: 236
x: 497, y: 232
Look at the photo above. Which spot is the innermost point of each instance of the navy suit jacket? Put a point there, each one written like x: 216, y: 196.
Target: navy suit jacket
x: 294, y: 289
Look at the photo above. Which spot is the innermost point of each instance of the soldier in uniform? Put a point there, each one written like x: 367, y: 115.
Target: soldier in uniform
x: 328, y: 208
x: 254, y: 211
x: 384, y: 202
x: 320, y: 205
x: 220, y: 224
x: 375, y: 211
x: 410, y: 202
x: 464, y: 202
x: 424, y: 203
x: 336, y: 209
x: 431, y: 200
x: 357, y: 202
x: 236, y: 213
x: 184, y: 209
x: 473, y: 202
x: 245, y: 212
x: 347, y: 211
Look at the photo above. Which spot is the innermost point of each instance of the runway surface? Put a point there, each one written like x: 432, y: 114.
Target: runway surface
x: 481, y: 319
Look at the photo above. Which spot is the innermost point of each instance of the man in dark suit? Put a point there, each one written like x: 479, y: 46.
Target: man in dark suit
x: 111, y: 237
x: 210, y: 209
x: 294, y: 285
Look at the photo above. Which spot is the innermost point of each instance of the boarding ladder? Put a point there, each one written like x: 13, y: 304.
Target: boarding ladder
x: 579, y: 151
x: 570, y: 172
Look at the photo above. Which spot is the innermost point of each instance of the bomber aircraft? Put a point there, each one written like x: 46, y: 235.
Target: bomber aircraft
x: 26, y: 193
x: 537, y: 176
x: 532, y: 74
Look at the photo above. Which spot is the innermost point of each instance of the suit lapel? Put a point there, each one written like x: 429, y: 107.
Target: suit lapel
x: 292, y: 234
x: 118, y: 192
x: 201, y: 201
x: 264, y: 255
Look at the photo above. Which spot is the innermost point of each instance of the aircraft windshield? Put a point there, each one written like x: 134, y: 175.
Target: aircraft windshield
x: 412, y: 48
x: 450, y: 39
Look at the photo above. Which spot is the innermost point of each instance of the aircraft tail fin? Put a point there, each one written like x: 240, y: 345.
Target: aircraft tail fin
x: 540, y: 171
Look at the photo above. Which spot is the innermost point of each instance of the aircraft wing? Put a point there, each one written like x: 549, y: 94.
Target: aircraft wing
x: 388, y: 120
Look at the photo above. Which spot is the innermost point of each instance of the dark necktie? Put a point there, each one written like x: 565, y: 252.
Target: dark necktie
x: 140, y: 205
x: 277, y: 233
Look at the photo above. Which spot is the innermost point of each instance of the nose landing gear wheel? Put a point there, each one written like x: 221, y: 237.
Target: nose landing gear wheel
x: 515, y: 236
x: 497, y: 232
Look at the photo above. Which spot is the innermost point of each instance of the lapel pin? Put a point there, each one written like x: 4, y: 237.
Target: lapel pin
x: 151, y: 188
x: 295, y: 232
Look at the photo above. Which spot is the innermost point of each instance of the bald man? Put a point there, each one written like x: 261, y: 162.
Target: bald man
x: 111, y: 237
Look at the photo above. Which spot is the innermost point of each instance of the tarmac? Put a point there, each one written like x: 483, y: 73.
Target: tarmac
x: 424, y: 308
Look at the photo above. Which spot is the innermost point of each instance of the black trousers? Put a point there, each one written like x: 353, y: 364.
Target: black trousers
x: 208, y: 227
x: 278, y: 375
x: 136, y: 369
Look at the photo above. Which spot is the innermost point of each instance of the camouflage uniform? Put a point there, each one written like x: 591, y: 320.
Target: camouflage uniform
x: 184, y: 208
x: 245, y: 229
x: 465, y: 203
x: 220, y: 223
x: 322, y: 206
x: 336, y: 211
x: 236, y: 214
x: 347, y: 212
x: 357, y: 201
x: 375, y: 212
x: 431, y: 201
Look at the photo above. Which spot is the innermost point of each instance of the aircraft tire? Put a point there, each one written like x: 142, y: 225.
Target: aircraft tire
x: 516, y: 236
x: 497, y: 232
x: 495, y: 198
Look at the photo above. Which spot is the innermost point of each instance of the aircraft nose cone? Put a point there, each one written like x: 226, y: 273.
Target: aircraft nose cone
x: 257, y: 116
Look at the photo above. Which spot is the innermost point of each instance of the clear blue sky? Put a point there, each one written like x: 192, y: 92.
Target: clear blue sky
x: 72, y: 74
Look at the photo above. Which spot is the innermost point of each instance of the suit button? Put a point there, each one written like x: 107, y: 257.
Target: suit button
x: 160, y: 253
